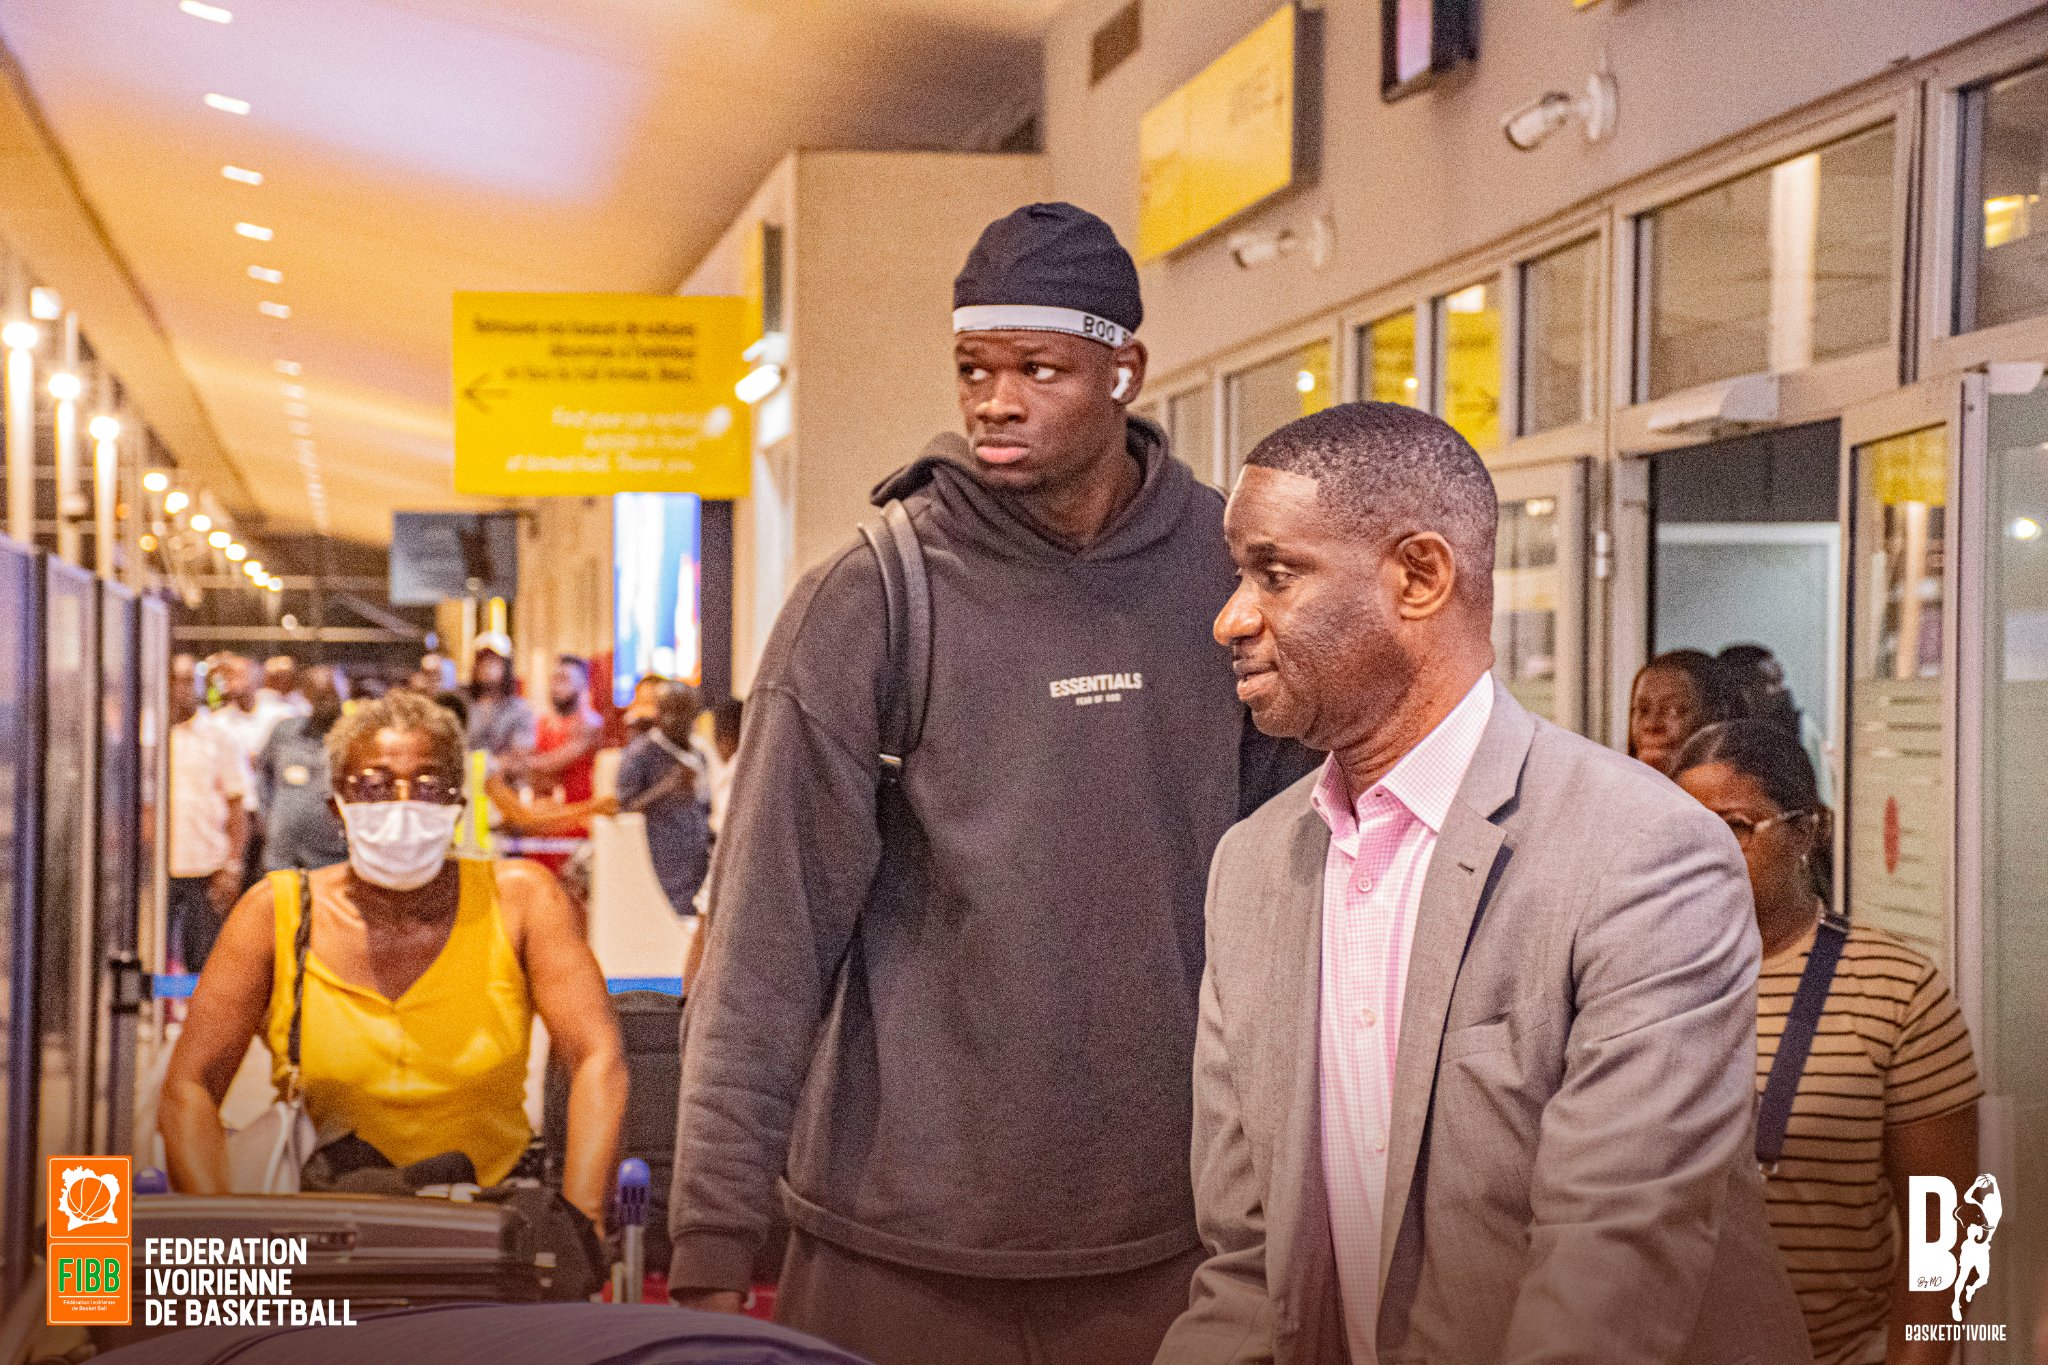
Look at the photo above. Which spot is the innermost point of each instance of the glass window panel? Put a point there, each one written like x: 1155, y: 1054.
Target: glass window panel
x: 1188, y: 431
x: 1774, y: 271
x: 71, y: 693
x: 2015, y: 856
x: 1899, y: 808
x: 1468, y: 363
x: 17, y: 789
x: 1528, y: 592
x: 1560, y: 322
x: 1386, y: 360
x: 2006, y: 240
x: 1267, y: 397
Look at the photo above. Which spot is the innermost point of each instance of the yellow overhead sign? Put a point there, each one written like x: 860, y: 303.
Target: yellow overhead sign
x: 1220, y: 143
x: 590, y: 394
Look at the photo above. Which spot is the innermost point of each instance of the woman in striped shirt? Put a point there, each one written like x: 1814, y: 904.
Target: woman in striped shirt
x: 1889, y: 1089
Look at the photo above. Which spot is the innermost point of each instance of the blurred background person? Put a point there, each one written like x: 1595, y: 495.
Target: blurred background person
x: 725, y: 743
x: 422, y: 980
x: 246, y: 715
x: 638, y: 717
x: 209, y: 823
x: 1674, y: 695
x: 1889, y: 1086
x: 435, y: 675
x: 663, y: 776
x: 1759, y: 681
x: 562, y: 767
x: 501, y: 723
x: 301, y: 827
x: 281, y: 686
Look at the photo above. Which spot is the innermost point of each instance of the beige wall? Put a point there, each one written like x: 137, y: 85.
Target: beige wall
x: 1420, y: 181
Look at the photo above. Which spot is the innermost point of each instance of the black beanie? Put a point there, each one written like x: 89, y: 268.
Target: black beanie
x: 1049, y: 267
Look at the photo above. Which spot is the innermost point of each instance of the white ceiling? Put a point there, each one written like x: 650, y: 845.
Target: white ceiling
x: 412, y: 148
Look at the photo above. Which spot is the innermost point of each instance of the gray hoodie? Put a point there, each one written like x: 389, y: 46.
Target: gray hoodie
x: 979, y: 1063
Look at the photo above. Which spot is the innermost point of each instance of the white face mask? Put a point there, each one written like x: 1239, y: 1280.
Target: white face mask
x: 399, y: 845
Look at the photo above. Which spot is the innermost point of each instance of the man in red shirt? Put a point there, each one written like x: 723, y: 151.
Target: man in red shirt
x: 565, y: 746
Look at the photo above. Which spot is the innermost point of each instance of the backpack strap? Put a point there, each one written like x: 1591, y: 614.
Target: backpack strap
x: 907, y: 598
x: 1774, y: 1114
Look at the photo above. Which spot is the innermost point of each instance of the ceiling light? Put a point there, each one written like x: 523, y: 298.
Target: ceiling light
x: 236, y: 551
x: 297, y: 410
x: 254, y: 568
x: 293, y: 390
x: 2024, y: 528
x: 1471, y: 299
x: 148, y: 542
x: 156, y: 481
x: 266, y: 274
x: 274, y: 310
x: 242, y: 174
x: 274, y: 585
x: 200, y: 522
x: 291, y: 367
x: 65, y: 386
x: 45, y: 304
x: 20, y: 336
x: 1304, y: 381
x: 227, y: 104
x: 105, y: 427
x: 220, y: 540
x: 176, y: 501
x: 213, y: 14
x: 261, y: 234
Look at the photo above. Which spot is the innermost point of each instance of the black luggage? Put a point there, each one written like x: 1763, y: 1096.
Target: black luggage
x: 650, y: 1024
x: 509, y: 1334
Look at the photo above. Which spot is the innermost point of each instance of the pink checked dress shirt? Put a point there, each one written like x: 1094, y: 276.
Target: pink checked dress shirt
x: 1380, y: 847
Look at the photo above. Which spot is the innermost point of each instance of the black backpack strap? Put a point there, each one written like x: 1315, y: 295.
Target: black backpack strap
x: 1774, y: 1114
x: 907, y: 599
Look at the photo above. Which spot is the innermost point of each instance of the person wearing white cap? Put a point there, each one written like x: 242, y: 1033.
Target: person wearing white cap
x: 501, y: 722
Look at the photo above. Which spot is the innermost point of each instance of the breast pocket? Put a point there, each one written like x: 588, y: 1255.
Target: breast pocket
x: 1491, y: 1036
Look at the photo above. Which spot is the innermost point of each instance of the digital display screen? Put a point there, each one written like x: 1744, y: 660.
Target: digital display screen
x: 657, y: 589
x: 443, y: 556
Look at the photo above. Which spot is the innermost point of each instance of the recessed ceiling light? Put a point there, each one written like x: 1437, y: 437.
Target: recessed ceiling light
x: 261, y: 234
x: 200, y: 522
x: 20, y: 336
x: 297, y: 410
x: 266, y: 274
x: 237, y: 552
x: 245, y: 176
x: 176, y: 501
x: 294, y: 390
x: 274, y: 310
x: 301, y: 429
x: 286, y: 366
x: 156, y: 481
x: 227, y: 104
x: 65, y: 386
x: 45, y: 304
x: 213, y: 14
x: 220, y: 540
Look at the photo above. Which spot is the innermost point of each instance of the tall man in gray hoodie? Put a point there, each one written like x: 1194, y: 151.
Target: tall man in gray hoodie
x: 966, y: 1079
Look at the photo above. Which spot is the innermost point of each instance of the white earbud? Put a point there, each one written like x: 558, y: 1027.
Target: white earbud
x: 1123, y: 382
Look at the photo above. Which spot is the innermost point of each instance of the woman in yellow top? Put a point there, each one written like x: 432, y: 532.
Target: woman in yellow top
x: 422, y: 979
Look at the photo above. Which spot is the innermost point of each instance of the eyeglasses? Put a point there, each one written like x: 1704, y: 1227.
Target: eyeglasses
x: 1744, y: 829
x: 380, y: 784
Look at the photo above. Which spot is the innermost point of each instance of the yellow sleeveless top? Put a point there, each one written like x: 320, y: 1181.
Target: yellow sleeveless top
x: 440, y: 1069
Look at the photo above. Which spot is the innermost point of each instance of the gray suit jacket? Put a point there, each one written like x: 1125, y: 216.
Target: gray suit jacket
x: 1570, y: 1175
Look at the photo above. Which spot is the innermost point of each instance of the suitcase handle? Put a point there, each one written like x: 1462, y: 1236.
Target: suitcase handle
x: 321, y: 1238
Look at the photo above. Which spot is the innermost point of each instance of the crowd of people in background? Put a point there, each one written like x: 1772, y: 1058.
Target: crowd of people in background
x: 251, y: 791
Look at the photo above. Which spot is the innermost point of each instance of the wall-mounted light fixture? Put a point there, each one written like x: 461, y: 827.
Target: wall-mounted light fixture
x: 1249, y: 250
x: 1594, y: 110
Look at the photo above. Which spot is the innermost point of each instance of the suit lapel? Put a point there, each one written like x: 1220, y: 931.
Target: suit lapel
x: 1295, y: 933
x: 1451, y: 896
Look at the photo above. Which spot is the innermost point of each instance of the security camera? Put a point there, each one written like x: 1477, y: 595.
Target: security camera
x: 1249, y: 250
x: 1529, y: 126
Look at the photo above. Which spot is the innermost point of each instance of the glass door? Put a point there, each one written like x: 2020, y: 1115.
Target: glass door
x: 1539, y: 589
x: 2004, y: 858
x: 1898, y: 810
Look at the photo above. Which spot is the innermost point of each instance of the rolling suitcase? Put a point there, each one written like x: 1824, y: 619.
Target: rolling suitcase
x: 375, y: 1253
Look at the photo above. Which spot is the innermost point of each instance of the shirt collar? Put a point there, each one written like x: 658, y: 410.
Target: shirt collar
x: 1427, y: 778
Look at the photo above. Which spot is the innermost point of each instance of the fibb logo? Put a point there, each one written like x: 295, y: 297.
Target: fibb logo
x: 1952, y: 1249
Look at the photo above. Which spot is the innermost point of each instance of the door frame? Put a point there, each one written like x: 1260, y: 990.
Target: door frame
x: 1568, y: 482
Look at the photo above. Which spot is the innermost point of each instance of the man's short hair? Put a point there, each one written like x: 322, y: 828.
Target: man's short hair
x: 1387, y: 469
x: 577, y: 662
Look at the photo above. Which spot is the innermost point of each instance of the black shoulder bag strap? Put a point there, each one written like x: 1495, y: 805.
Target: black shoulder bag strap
x: 1774, y: 1115
x: 302, y: 942
x: 907, y: 596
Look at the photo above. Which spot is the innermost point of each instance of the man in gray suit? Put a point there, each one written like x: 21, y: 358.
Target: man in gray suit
x: 1474, y: 1075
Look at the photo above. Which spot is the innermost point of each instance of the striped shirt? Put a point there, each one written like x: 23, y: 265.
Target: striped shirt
x: 1891, y: 1048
